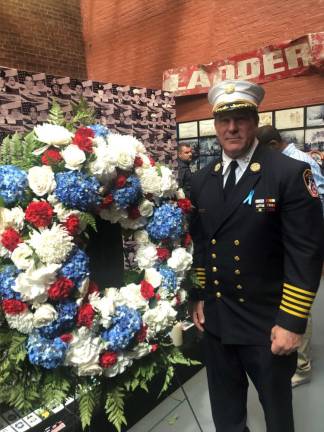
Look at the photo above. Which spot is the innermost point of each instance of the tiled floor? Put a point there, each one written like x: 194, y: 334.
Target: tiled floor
x: 174, y: 415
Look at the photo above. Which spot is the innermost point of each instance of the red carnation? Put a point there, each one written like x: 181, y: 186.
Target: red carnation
x: 138, y: 162
x: 163, y: 253
x: 185, y: 205
x: 13, y: 307
x: 51, y: 157
x: 147, y: 290
x: 85, y: 315
x: 10, y: 239
x: 141, y: 334
x: 120, y: 181
x: 82, y: 139
x: 152, y: 161
x: 60, y: 289
x: 158, y: 297
x: 66, y: 337
x: 93, y: 288
x: 72, y: 224
x: 187, y: 240
x: 108, y: 359
x: 154, y: 347
x: 107, y: 200
x: 39, y: 213
x: 133, y: 212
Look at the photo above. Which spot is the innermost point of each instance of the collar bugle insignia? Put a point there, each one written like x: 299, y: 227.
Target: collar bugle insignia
x: 230, y: 88
x: 217, y: 167
x: 255, y: 167
x: 310, y: 183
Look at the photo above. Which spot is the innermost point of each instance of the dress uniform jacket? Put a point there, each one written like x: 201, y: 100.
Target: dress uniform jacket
x: 259, y: 255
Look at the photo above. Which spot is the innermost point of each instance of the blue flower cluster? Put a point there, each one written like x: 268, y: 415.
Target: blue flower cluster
x: 13, y: 183
x: 169, y: 278
x: 129, y: 194
x: 100, y: 130
x: 76, y: 267
x: 125, y: 324
x: 166, y: 223
x: 47, y: 353
x: 7, y: 282
x: 77, y: 190
x: 65, y: 321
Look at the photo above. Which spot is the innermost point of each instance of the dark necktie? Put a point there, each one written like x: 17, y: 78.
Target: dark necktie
x: 231, y: 180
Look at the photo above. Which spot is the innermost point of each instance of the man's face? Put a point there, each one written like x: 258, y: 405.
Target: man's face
x: 78, y: 89
x: 236, y: 131
x: 185, y: 153
x: 29, y: 82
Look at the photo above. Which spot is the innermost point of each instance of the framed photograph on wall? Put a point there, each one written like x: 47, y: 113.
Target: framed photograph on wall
x: 188, y: 130
x: 205, y: 160
x: 206, y: 127
x: 314, y: 139
x: 315, y: 115
x: 265, y: 118
x: 209, y: 146
x: 292, y: 118
x: 294, y: 136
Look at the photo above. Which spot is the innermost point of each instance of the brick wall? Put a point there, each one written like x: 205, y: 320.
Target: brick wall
x: 133, y: 42
x: 44, y: 36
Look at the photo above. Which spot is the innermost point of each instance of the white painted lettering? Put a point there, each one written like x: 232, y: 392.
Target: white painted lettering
x: 272, y: 61
x: 249, y: 68
x: 198, y: 78
x: 298, y: 55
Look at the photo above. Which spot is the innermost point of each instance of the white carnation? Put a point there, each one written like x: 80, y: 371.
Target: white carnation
x: 159, y: 318
x: 146, y: 208
x: 51, y: 245
x: 44, y: 315
x: 146, y: 256
x: 180, y: 260
x: 131, y: 296
x: 73, y: 156
x: 153, y: 277
x: 53, y: 134
x: 22, y: 322
x: 22, y: 256
x: 41, y: 180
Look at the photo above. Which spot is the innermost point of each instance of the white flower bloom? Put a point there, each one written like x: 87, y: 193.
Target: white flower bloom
x: 103, y: 166
x: 4, y: 218
x: 51, y: 245
x: 141, y: 237
x: 150, y: 181
x: 22, y: 256
x: 159, y: 318
x: 168, y: 182
x: 140, y: 350
x: 34, y: 283
x: 61, y: 211
x: 146, y: 208
x: 44, y: 315
x: 122, y: 150
x: 153, y: 277
x: 89, y: 369
x: 123, y: 361
x: 4, y: 253
x: 73, y: 156
x: 133, y: 224
x: 14, y: 218
x: 84, y: 350
x: 180, y: 194
x: 41, y: 180
x: 180, y: 260
x: 146, y: 256
x: 113, y: 214
x: 104, y: 305
x: 131, y: 296
x: 22, y: 322
x: 53, y: 135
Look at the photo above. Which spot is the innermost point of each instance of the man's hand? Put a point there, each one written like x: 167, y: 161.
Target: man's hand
x: 284, y: 342
x: 198, y: 316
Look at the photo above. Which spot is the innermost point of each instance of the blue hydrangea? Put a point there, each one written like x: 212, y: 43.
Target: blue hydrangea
x: 65, y: 321
x: 100, y: 130
x: 7, y: 282
x: 45, y: 352
x: 129, y: 194
x: 169, y: 278
x: 76, y: 267
x: 126, y: 322
x: 77, y: 190
x: 13, y: 183
x: 166, y: 223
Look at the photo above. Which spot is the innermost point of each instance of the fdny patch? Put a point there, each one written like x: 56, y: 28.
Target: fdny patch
x: 310, y: 183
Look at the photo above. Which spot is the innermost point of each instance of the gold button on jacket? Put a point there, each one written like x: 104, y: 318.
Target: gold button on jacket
x: 218, y: 294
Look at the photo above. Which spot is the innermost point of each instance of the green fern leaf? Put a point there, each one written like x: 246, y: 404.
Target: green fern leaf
x: 114, y: 407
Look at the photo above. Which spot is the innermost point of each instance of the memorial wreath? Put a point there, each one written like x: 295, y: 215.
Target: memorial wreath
x: 61, y: 336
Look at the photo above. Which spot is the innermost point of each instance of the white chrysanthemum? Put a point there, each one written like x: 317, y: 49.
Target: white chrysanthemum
x: 146, y: 256
x: 34, y: 283
x: 104, y: 166
x: 123, y: 361
x: 22, y: 256
x: 180, y: 260
x: 105, y: 305
x: 22, y: 322
x: 73, y: 157
x: 51, y: 245
x: 53, y: 134
x: 44, y: 315
x: 113, y: 214
x: 159, y: 318
x: 150, y: 181
x: 41, y: 180
x: 122, y: 150
x: 130, y: 295
x: 153, y: 277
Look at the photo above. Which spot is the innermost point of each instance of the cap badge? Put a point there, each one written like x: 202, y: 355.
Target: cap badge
x: 217, y: 167
x: 230, y: 88
x: 255, y: 167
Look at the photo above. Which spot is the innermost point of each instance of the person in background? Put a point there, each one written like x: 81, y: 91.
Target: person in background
x: 184, y: 172
x: 270, y: 136
x: 257, y: 230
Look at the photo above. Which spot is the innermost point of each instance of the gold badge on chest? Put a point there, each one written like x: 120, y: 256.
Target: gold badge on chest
x: 255, y: 167
x: 217, y: 167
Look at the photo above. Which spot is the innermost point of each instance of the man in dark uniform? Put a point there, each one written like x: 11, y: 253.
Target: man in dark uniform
x: 258, y: 262
x: 184, y: 173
